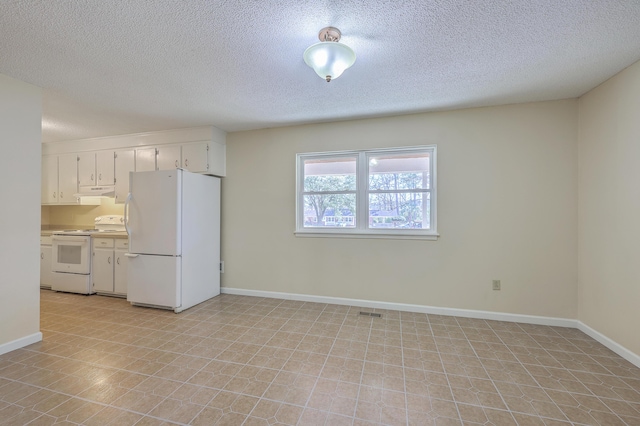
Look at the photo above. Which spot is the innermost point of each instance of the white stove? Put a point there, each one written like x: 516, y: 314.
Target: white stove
x: 71, y: 249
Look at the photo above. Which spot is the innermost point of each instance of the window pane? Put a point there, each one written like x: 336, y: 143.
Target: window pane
x: 330, y: 210
x: 404, y: 171
x: 399, y: 211
x: 334, y: 174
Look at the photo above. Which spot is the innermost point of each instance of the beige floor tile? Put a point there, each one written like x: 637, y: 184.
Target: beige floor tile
x: 18, y: 416
x: 207, y: 417
x: 255, y: 361
x: 84, y: 412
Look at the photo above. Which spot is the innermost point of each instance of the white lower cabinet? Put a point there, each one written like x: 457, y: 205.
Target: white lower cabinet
x: 46, y: 276
x: 109, y: 266
x: 120, y: 268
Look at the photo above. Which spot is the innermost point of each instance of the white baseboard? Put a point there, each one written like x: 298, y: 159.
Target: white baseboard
x: 434, y: 310
x: 20, y: 343
x: 614, y: 346
x: 466, y: 313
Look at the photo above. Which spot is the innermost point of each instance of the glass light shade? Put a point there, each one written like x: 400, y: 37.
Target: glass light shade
x: 329, y: 59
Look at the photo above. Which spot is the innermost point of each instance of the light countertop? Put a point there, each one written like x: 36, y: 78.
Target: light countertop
x: 48, y: 230
x: 119, y: 235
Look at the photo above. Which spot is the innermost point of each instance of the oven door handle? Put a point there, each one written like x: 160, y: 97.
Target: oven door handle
x: 131, y: 255
x: 68, y: 239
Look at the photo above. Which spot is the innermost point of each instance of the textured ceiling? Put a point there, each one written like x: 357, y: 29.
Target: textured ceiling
x: 122, y: 66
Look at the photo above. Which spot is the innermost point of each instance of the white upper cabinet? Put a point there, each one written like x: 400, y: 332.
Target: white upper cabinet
x: 87, y: 169
x: 95, y: 168
x: 49, y: 179
x: 67, y: 178
x: 59, y: 179
x: 204, y: 157
x: 124, y: 163
x: 145, y: 159
x: 168, y: 157
x: 195, y: 157
x: 105, y: 168
x: 113, y: 159
x: 217, y: 159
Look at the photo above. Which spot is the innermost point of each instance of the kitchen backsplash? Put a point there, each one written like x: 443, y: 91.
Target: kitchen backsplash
x: 81, y: 216
x: 44, y: 215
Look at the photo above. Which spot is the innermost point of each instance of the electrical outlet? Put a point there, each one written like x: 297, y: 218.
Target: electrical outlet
x: 222, y: 266
x: 496, y: 284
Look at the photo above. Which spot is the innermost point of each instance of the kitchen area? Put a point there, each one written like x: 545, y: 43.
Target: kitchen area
x: 138, y: 220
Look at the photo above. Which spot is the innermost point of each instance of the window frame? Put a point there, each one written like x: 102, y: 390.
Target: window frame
x: 362, y: 229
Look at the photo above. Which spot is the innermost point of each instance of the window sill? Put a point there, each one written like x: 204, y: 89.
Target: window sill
x: 355, y: 234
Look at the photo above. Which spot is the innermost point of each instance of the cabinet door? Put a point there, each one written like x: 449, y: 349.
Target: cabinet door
x: 217, y: 159
x: 67, y: 178
x: 145, y: 160
x: 103, y: 270
x: 195, y: 157
x: 124, y: 163
x: 45, y: 266
x: 169, y: 157
x: 105, y: 167
x: 120, y: 274
x: 49, y: 179
x: 87, y: 169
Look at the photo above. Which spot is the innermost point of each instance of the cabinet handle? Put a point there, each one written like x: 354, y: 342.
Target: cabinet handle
x: 100, y: 176
x: 109, y: 260
x: 54, y: 195
x: 176, y: 163
x: 61, y: 194
x: 186, y: 162
x: 92, y: 177
x: 42, y: 256
x: 118, y: 260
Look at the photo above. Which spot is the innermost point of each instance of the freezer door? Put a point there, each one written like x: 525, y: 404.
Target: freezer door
x: 154, y: 280
x: 153, y: 212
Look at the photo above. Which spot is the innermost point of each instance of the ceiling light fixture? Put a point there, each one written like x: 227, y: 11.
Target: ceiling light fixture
x: 329, y: 58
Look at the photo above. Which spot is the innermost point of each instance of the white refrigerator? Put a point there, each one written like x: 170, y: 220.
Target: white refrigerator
x: 173, y: 221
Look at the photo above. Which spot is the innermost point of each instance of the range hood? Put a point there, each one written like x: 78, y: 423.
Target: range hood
x: 96, y: 191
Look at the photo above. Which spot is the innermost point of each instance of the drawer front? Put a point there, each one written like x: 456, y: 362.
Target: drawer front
x: 103, y: 242
x: 45, y: 241
x: 122, y: 244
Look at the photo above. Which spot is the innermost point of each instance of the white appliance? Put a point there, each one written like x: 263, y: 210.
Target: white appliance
x: 71, y: 255
x: 173, y: 221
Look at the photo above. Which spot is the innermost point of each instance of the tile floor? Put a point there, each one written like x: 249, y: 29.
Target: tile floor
x: 237, y: 360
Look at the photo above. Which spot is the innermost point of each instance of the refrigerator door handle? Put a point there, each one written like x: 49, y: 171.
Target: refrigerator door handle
x: 126, y: 214
x: 131, y: 255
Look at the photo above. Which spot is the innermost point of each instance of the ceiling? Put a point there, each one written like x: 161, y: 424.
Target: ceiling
x: 121, y: 66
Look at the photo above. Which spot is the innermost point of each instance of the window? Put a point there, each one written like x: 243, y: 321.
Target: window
x: 384, y: 193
